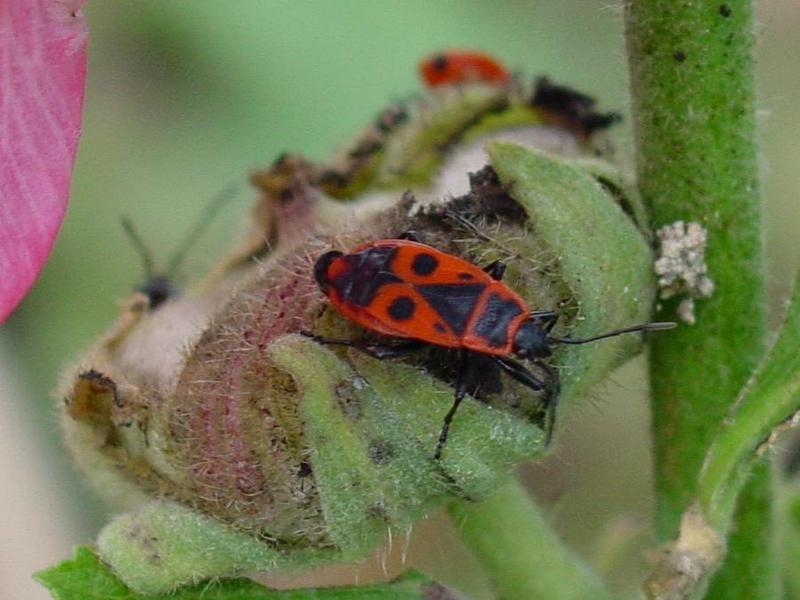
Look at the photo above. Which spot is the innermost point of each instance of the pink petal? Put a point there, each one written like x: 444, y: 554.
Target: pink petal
x: 42, y: 81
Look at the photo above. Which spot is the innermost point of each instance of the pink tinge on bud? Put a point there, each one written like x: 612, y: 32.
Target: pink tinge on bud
x: 42, y: 83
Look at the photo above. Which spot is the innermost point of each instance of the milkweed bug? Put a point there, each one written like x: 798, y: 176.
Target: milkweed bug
x: 461, y: 66
x: 407, y: 289
x: 159, y: 287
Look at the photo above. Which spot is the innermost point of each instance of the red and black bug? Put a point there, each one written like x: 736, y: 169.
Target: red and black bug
x: 461, y: 66
x: 406, y: 289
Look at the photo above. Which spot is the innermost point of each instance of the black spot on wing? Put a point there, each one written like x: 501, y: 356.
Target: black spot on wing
x: 424, y: 264
x: 492, y: 324
x: 402, y: 308
x: 439, y: 62
x: 367, y: 271
x: 465, y: 276
x: 453, y: 302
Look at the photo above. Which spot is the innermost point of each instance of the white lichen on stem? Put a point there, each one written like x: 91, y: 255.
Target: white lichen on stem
x: 681, y: 265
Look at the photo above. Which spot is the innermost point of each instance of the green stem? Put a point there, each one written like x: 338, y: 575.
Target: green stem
x: 523, y: 556
x: 693, y: 105
x: 693, y: 93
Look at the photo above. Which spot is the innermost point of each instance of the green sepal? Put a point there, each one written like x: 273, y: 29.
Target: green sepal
x: 623, y: 191
x: 165, y: 545
x: 353, y: 502
x: 483, y: 444
x: 85, y: 577
x: 602, y: 256
x: 382, y: 443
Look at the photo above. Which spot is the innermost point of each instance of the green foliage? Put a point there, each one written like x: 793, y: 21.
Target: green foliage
x: 86, y: 578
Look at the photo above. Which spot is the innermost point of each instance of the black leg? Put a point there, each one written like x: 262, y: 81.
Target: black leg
x: 547, y: 317
x: 551, y: 391
x: 496, y: 269
x: 550, y: 385
x: 379, y: 351
x: 519, y: 373
x: 461, y: 390
x: 410, y: 235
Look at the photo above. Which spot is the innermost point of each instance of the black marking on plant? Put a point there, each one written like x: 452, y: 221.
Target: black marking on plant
x: 304, y: 470
x: 619, y: 195
x: 380, y: 452
x: 348, y: 402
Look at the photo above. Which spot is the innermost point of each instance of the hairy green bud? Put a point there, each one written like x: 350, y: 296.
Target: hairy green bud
x: 240, y: 445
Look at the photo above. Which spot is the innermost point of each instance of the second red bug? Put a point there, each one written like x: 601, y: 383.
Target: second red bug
x: 461, y: 66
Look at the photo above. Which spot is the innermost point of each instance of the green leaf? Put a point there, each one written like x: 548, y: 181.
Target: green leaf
x: 770, y: 398
x: 85, y: 577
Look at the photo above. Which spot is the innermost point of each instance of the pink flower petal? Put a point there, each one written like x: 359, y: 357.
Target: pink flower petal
x: 42, y: 81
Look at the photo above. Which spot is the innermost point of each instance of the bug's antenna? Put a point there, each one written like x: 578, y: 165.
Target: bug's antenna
x: 212, y: 208
x: 657, y: 326
x: 139, y: 245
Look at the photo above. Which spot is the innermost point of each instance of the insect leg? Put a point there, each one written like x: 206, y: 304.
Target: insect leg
x: 519, y: 373
x: 461, y: 390
x: 551, y: 390
x: 379, y: 351
x: 550, y: 385
x: 411, y: 235
x: 496, y: 269
x: 547, y: 317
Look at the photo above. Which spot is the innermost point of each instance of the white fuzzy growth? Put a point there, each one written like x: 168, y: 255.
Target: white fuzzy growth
x: 681, y: 265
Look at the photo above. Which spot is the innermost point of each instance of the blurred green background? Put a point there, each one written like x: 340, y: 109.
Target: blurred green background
x: 184, y: 99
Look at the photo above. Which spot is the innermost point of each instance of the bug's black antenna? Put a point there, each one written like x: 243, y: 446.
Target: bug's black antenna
x: 658, y: 326
x: 139, y: 245
x: 212, y: 208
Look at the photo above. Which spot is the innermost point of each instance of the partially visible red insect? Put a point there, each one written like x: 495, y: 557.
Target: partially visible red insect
x: 461, y: 66
x: 407, y: 289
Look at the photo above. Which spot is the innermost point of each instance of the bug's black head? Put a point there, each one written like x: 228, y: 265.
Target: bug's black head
x: 158, y: 289
x: 532, y: 341
x: 321, y: 268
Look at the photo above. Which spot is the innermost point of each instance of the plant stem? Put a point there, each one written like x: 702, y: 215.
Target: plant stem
x: 693, y: 92
x: 693, y: 103
x: 523, y: 556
